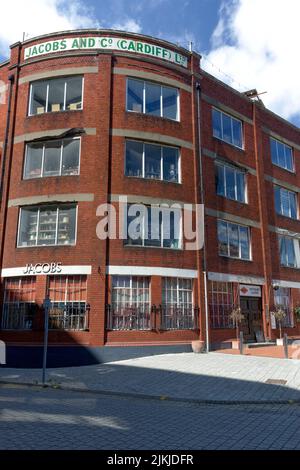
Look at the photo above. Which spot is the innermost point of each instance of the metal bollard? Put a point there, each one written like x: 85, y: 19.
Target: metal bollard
x: 285, y: 345
x: 241, y: 342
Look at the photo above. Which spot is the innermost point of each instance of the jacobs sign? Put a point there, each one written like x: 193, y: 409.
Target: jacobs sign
x: 105, y: 43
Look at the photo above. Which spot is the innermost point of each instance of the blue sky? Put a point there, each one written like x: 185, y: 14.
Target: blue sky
x: 177, y: 20
x: 246, y: 43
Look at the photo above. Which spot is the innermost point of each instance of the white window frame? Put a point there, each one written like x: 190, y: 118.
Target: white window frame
x: 47, y: 94
x: 296, y: 245
x: 43, y: 158
x: 228, y: 244
x: 130, y: 289
x: 161, y: 161
x: 143, y: 245
x: 290, y: 194
x: 285, y: 146
x: 178, y: 290
x: 222, y: 131
x: 161, y: 98
x: 235, y: 170
x: 37, y: 228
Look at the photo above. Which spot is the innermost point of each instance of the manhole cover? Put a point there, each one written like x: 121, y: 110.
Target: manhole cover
x: 276, y: 381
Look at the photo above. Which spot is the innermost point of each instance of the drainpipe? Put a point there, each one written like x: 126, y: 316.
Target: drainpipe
x: 202, y: 199
x: 11, y: 79
x: 7, y: 155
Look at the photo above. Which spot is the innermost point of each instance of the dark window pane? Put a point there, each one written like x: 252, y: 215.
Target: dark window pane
x: 135, y: 95
x: 282, y: 249
x: 217, y: 126
x: 240, y: 186
x: 285, y: 202
x: 237, y: 133
x: 227, y: 134
x: 281, y: 154
x: 233, y: 234
x: 38, y: 98
x: 220, y: 181
x: 274, y: 155
x: 277, y: 200
x: 230, y: 183
x: 134, y: 158
x: 291, y: 259
x: 153, y: 99
x: 74, y: 93
x: 70, y: 159
x: 56, y: 95
x: 170, y: 164
x: 34, y: 156
x: 244, y: 242
x: 152, y: 161
x: 28, y: 227
x: 170, y: 103
x: 289, y: 158
x: 223, y: 238
x: 52, y: 159
x: 293, y: 205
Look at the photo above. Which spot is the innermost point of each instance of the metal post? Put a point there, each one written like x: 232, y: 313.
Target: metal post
x: 206, y: 313
x: 46, y: 305
x: 285, y: 345
x: 241, y: 342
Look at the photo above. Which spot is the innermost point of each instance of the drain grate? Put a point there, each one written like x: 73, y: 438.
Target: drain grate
x: 276, y: 381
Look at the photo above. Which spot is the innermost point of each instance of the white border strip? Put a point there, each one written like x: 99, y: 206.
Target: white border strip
x: 151, y: 271
x: 291, y: 284
x: 12, y: 272
x: 220, y: 277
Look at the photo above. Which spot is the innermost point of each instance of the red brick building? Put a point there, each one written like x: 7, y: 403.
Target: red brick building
x: 89, y: 117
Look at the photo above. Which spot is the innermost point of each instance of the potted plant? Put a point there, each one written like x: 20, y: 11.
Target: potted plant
x: 237, y: 317
x: 297, y: 313
x: 279, y: 314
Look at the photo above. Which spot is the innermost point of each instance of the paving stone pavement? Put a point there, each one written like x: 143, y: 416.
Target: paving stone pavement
x: 213, y: 376
x: 40, y: 419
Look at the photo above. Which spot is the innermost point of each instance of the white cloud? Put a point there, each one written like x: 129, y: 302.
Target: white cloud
x: 36, y: 17
x: 256, y: 42
x: 128, y: 24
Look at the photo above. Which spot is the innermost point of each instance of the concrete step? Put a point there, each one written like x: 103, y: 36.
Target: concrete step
x: 260, y: 345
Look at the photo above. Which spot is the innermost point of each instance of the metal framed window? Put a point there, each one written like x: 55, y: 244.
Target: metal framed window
x: 177, y: 304
x: 153, y: 227
x: 289, y: 249
x: 230, y: 182
x: 286, y: 202
x: 282, y: 155
x: 282, y: 298
x: 220, y: 303
x: 234, y: 240
x: 52, y: 158
x: 69, y: 310
x: 130, y: 303
x: 57, y: 94
x: 19, y: 305
x: 227, y: 128
x: 152, y: 161
x: 152, y: 98
x: 47, y: 225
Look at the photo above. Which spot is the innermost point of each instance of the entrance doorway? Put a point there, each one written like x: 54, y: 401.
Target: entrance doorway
x: 252, y: 325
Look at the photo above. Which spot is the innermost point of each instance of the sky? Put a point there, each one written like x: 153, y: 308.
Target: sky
x: 246, y: 43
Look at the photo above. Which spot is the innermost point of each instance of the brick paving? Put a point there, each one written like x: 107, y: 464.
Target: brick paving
x: 36, y: 418
x: 202, y: 377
